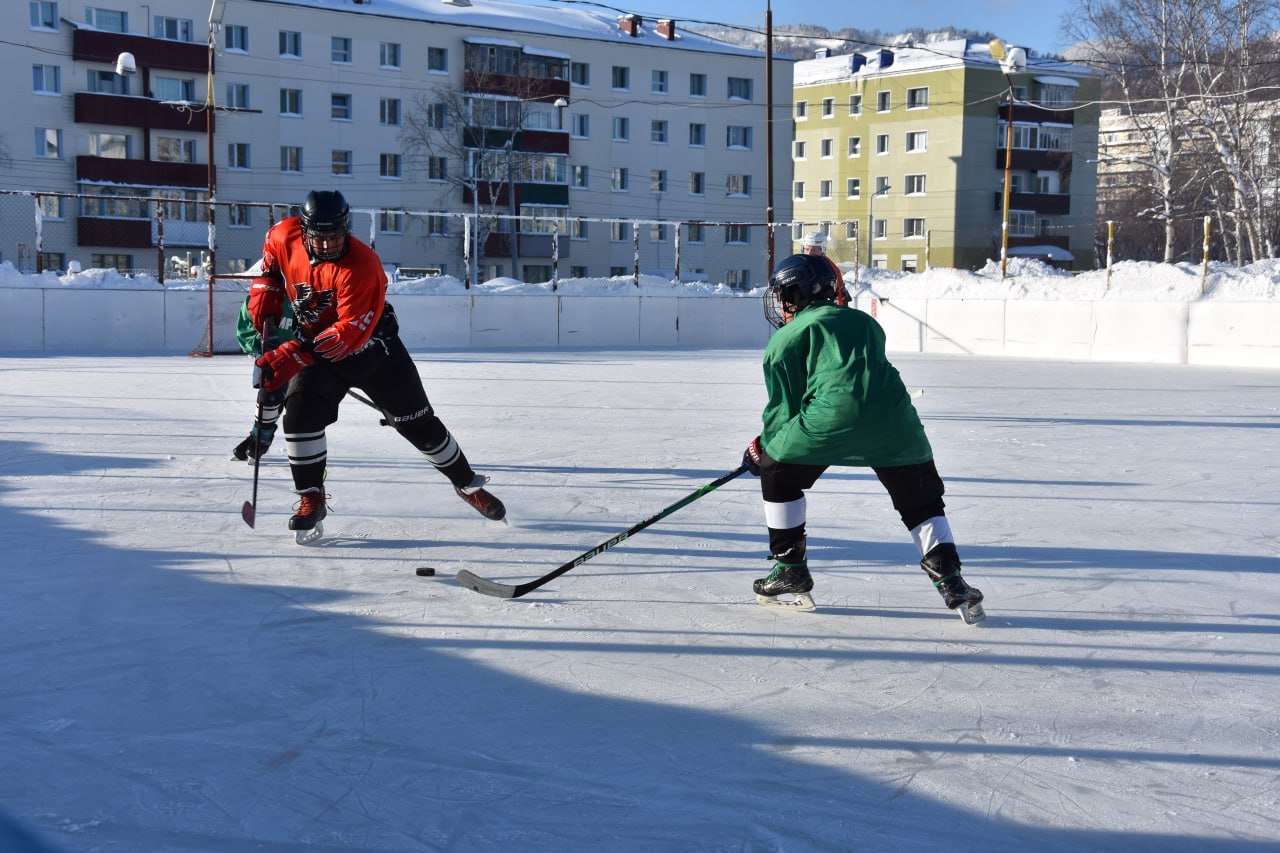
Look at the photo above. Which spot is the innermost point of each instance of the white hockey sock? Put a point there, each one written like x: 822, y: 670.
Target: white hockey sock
x: 786, y: 515
x: 931, y: 533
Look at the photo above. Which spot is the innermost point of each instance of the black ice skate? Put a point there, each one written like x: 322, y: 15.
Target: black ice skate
x: 790, y: 576
x: 244, y: 451
x: 942, y: 565
x: 310, y: 512
x: 480, y: 498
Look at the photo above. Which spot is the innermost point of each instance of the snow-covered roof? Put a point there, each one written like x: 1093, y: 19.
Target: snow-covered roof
x: 529, y: 18
x: 1058, y: 81
x: 954, y: 53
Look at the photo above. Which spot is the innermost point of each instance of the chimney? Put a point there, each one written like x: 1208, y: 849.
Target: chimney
x: 667, y: 29
x: 821, y: 53
x: 630, y: 24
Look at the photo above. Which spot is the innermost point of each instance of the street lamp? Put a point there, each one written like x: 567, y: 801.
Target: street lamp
x: 871, y: 220
x: 1011, y: 60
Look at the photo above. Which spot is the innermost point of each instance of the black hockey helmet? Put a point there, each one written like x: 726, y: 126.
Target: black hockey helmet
x: 326, y: 225
x: 797, y: 281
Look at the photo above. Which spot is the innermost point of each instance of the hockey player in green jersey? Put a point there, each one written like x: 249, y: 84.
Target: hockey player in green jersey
x: 250, y: 340
x: 834, y: 399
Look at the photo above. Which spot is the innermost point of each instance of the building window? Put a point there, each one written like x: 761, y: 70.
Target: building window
x: 438, y: 60
x: 238, y: 215
x: 658, y: 181
x: 581, y: 126
x: 855, y: 146
x: 52, y: 260
x: 915, y: 185
x: 797, y: 190
x: 290, y: 44
x: 913, y: 227
x: 659, y: 84
x: 738, y: 185
x: 389, y: 111
x: 389, y: 54
x: 698, y: 85
x: 738, y: 235
x: 658, y: 232
x: 172, y: 29
x: 621, y: 77
x: 238, y: 96
x: 290, y: 102
x: 883, y: 102
x: 697, y: 135
x: 236, y: 38
x: 114, y: 145
x: 579, y: 73
x: 738, y: 136
x: 237, y: 155
x: 738, y: 279
x: 880, y: 229
x: 580, y: 176
x: 828, y: 107
x: 577, y: 272
x: 390, y: 221
x: 119, y: 263
x: 437, y: 169
x: 909, y: 263
x: 799, y: 149
x: 740, y: 88
x: 697, y: 232
x: 828, y: 147
x: 107, y: 20
x: 437, y: 224
x: 918, y: 99
x: 49, y: 143
x: 46, y: 79
x: 853, y: 188
x: 697, y: 183
x: 340, y: 107
x: 619, y: 180
x: 51, y: 207
x: 1057, y: 97
x: 618, y: 233
x: 1022, y: 223
x: 578, y: 230
x: 110, y: 83
x: 855, y: 105
x: 171, y: 149
x: 882, y: 143
x: 621, y: 129
x: 851, y: 231
x: 824, y: 189
x: 658, y: 132
x: 1055, y: 138
x: 918, y: 140
x: 802, y: 109
x: 340, y: 50
x: 44, y: 15
x: 435, y: 115
x: 389, y: 166
x: 291, y: 158
x: 882, y: 184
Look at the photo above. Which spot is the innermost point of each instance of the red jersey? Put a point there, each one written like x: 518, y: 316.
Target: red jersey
x: 340, y: 299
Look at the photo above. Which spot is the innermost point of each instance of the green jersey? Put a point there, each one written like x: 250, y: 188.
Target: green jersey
x: 250, y: 339
x: 834, y: 398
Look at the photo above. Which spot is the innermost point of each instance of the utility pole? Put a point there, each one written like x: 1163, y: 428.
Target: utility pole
x: 768, y: 131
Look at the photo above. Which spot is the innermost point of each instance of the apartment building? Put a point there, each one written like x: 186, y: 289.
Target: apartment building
x: 899, y: 155
x: 602, y: 117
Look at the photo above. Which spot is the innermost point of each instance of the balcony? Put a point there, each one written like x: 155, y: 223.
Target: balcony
x: 542, y: 141
x: 113, y: 233
x: 1034, y: 159
x: 527, y: 88
x: 1059, y: 240
x: 498, y: 245
x: 1031, y: 114
x: 98, y: 46
x: 133, y: 111
x: 142, y: 173
x: 1050, y: 204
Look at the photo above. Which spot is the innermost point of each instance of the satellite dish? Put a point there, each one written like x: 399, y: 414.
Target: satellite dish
x: 125, y: 66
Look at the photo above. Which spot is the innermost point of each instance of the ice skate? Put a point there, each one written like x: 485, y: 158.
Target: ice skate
x: 480, y: 498
x: 790, y: 576
x: 244, y: 451
x: 942, y: 565
x: 306, y: 522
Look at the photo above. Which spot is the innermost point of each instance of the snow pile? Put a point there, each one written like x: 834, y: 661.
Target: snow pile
x: 622, y: 285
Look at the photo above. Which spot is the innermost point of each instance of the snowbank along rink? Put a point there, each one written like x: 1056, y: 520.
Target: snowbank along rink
x: 173, y: 680
x: 1140, y: 312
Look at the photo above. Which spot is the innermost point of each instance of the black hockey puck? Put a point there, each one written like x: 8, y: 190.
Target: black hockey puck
x: 424, y: 571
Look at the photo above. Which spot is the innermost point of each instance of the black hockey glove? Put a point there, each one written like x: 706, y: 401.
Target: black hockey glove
x: 751, y: 458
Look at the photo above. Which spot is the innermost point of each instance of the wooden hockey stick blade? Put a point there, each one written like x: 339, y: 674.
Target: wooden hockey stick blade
x: 248, y: 513
x: 475, y: 583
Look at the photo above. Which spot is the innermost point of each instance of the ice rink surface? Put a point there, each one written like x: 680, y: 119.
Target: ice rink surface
x: 171, y: 680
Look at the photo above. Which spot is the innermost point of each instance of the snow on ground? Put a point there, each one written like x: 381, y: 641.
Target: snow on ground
x: 173, y: 680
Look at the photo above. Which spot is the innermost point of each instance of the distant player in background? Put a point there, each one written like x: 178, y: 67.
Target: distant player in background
x: 815, y: 243
x: 835, y: 399
x: 250, y: 340
x: 348, y: 337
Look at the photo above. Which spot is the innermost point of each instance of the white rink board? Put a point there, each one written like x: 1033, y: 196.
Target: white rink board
x: 595, y: 321
x: 21, y: 319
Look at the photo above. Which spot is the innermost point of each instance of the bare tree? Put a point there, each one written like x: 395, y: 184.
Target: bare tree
x: 6, y: 158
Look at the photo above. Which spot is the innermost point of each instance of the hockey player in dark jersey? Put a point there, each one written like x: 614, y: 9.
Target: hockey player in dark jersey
x: 834, y: 399
x: 347, y: 338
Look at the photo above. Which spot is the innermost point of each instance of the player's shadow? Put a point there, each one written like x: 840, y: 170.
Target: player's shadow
x: 181, y: 700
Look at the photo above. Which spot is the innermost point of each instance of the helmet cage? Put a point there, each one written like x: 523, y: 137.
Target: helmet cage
x: 798, y: 281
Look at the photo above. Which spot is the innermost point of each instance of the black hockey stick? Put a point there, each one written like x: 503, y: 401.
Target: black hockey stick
x: 363, y: 399
x: 503, y: 590
x: 249, y: 512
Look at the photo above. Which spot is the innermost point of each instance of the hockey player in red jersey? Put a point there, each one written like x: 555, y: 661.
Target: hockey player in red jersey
x: 347, y: 338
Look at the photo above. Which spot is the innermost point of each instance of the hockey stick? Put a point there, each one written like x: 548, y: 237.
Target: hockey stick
x: 502, y: 590
x: 249, y: 512
x: 363, y: 399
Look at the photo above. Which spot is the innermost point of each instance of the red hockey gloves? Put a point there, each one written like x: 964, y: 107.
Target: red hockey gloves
x: 266, y: 301
x: 282, y: 364
x: 751, y: 458
x: 332, y: 344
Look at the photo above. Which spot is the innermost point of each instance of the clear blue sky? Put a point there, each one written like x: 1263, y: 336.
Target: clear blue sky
x: 1035, y: 25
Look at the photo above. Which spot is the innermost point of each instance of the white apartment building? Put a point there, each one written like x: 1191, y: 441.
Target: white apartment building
x: 620, y: 118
